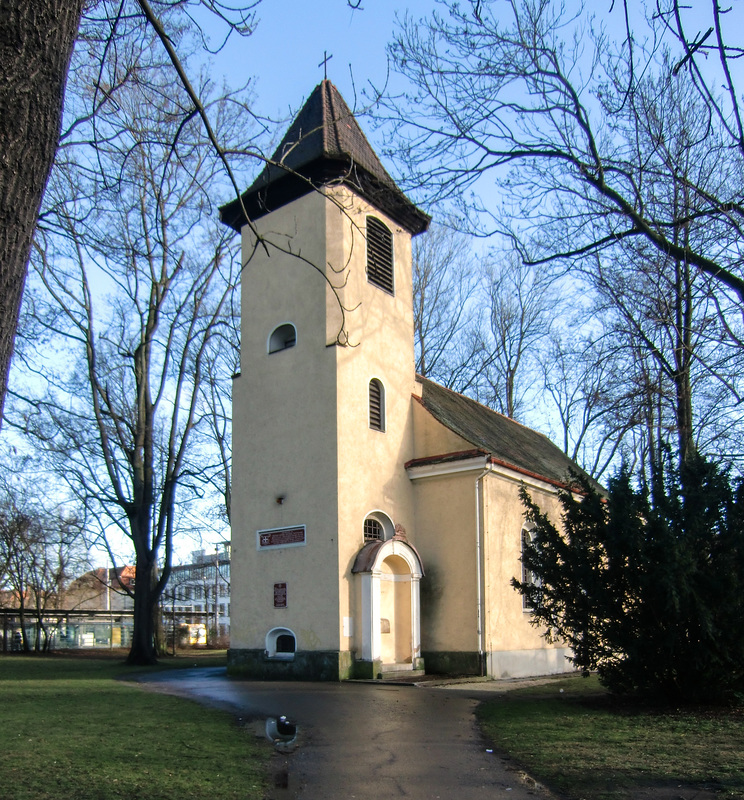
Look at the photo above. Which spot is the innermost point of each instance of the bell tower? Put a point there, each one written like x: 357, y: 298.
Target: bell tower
x: 324, y: 570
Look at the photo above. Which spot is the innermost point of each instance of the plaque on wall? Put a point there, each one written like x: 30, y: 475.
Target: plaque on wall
x: 280, y: 595
x: 280, y: 537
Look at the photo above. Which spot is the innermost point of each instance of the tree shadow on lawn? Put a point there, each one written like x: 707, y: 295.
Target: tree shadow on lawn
x: 575, y: 738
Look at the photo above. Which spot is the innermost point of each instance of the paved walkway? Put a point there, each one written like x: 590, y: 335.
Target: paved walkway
x: 367, y: 741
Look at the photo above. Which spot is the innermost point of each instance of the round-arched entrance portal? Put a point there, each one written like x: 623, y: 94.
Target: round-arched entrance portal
x: 390, y: 572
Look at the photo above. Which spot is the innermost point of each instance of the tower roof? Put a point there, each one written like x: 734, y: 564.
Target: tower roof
x: 324, y: 145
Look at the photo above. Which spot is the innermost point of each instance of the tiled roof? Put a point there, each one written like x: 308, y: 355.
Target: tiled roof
x: 324, y: 144
x: 506, y: 441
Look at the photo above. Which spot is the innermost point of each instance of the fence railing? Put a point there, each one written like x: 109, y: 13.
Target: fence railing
x: 61, y: 629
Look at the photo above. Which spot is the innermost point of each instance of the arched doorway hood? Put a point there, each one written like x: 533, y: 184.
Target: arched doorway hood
x: 371, y: 556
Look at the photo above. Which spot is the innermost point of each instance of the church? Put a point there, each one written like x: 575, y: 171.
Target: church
x: 376, y: 519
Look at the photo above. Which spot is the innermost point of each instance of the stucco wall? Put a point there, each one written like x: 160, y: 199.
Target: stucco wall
x: 301, y: 418
x: 507, y: 625
x: 447, y: 521
x: 445, y: 511
x: 284, y: 437
x: 432, y: 438
x: 379, y: 328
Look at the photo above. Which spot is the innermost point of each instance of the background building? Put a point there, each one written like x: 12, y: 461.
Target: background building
x: 197, y: 599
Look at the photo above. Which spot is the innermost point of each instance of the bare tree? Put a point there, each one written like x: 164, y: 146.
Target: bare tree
x: 710, y: 58
x: 41, y: 549
x: 664, y: 305
x: 445, y: 281
x: 619, y: 162
x: 540, y: 100
x: 521, y: 308
x: 36, y: 42
x: 138, y: 280
x: 585, y: 393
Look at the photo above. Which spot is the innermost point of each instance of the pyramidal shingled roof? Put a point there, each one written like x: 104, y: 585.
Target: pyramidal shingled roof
x: 324, y: 145
x: 493, y: 434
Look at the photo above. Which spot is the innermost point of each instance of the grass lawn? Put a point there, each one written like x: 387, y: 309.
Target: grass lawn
x: 570, y: 735
x: 71, y: 730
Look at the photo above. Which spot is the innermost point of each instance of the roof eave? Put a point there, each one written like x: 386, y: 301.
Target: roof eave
x: 261, y: 200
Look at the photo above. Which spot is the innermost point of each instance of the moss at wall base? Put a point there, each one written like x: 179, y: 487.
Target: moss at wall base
x: 453, y: 662
x: 325, y: 665
x: 367, y: 670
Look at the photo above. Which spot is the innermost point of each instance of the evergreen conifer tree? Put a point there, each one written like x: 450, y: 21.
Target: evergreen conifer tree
x: 646, y: 584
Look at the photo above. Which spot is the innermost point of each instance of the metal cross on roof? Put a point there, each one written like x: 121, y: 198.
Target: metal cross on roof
x: 324, y: 63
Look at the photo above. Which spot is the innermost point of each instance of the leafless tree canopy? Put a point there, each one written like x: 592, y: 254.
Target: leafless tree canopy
x: 551, y: 107
x: 604, y: 144
x: 131, y: 317
x: 41, y: 550
x: 36, y: 43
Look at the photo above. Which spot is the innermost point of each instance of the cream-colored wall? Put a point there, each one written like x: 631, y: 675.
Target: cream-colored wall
x: 431, y: 437
x: 446, y: 538
x: 301, y: 417
x: 379, y: 329
x: 284, y: 436
x: 446, y: 542
x: 507, y: 624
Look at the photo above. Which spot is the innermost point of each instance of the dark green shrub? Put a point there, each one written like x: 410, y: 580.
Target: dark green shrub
x: 646, y: 586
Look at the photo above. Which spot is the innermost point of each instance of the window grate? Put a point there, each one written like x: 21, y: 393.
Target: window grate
x: 372, y: 530
x: 379, y: 255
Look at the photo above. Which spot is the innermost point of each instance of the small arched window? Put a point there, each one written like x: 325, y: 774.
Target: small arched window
x: 378, y: 527
x: 380, y: 255
x: 281, y: 644
x: 373, y: 530
x: 282, y: 338
x: 376, y: 405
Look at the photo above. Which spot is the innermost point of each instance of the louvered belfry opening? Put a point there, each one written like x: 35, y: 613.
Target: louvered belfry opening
x: 372, y: 530
x: 379, y: 254
x: 376, y: 405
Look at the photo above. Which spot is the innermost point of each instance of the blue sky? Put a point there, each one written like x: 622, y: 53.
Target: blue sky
x: 292, y: 35
x: 289, y: 42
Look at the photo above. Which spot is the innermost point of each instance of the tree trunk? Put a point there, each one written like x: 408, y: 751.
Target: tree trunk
x: 36, y: 41
x: 143, y: 650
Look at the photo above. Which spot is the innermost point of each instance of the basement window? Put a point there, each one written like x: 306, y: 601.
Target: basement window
x: 380, y: 255
x: 281, y: 644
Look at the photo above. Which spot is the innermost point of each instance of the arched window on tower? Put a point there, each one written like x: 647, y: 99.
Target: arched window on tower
x: 376, y: 405
x: 282, y: 338
x: 380, y: 255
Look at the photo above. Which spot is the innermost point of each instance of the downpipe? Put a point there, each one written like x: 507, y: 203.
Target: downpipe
x: 482, y: 666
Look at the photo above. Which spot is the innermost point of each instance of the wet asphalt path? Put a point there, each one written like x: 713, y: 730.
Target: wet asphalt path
x: 365, y: 741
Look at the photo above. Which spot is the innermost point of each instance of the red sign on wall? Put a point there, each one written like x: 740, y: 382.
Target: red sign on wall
x: 280, y: 595
x: 281, y: 537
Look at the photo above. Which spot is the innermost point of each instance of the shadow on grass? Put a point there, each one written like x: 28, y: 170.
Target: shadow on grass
x: 71, y: 730
x: 574, y: 737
